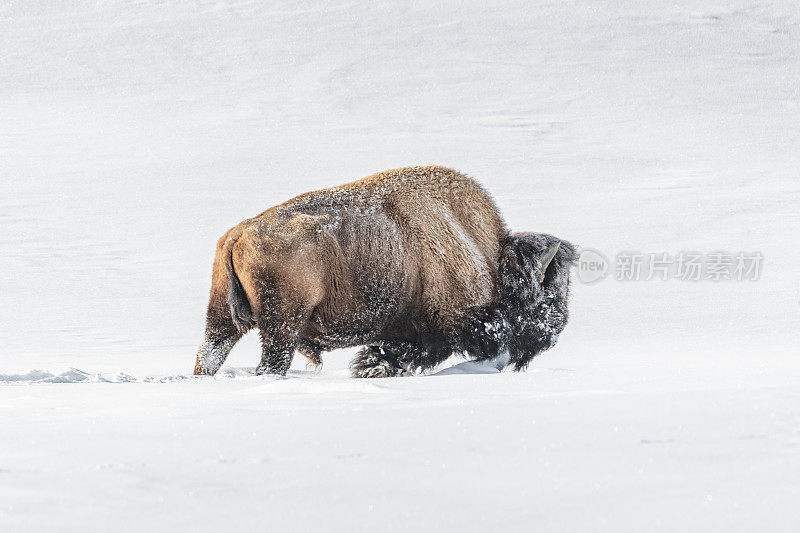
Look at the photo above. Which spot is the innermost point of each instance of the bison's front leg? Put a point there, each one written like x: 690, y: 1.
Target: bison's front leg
x: 388, y: 359
x: 375, y: 362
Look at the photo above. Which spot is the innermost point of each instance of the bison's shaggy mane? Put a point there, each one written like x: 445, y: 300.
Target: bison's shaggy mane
x: 525, y: 319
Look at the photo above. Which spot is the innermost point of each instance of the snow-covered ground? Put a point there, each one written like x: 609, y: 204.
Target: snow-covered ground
x: 132, y: 135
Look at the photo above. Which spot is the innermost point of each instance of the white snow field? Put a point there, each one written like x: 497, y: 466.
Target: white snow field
x: 133, y: 134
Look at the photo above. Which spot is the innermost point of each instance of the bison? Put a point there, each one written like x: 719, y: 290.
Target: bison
x: 413, y: 264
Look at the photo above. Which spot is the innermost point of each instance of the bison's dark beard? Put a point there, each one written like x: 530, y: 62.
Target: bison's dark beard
x: 527, y: 316
x: 524, y: 320
x: 536, y: 312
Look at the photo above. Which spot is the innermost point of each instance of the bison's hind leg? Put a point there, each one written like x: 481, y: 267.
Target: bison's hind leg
x: 213, y: 352
x: 278, y: 344
x: 484, y: 334
x: 221, y: 335
x: 311, y: 351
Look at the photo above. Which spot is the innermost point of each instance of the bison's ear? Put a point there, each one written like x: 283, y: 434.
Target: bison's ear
x: 546, y: 258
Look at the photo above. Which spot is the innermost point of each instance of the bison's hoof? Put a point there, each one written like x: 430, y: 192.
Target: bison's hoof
x: 200, y: 370
x: 262, y: 370
x: 314, y: 368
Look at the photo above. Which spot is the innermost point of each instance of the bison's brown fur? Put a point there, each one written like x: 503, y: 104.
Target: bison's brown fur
x: 405, y: 261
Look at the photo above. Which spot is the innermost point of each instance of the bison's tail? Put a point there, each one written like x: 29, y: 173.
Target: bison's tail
x: 238, y: 303
x: 534, y: 276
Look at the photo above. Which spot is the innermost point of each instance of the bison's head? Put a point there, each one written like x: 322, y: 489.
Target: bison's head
x: 533, y: 278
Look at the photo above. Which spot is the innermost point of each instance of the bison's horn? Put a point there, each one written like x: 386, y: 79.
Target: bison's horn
x: 548, y: 256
